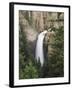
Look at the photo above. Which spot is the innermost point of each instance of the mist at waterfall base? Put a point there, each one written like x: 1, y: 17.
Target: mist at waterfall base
x: 39, y: 54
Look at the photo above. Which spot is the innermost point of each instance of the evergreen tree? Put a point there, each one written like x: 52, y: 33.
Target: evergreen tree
x: 30, y: 71
x: 56, y: 60
x: 27, y: 65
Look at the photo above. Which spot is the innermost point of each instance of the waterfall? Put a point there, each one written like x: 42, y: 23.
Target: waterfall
x: 39, y: 55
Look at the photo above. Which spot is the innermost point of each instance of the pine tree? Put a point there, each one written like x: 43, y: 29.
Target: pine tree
x: 27, y: 65
x: 56, y: 60
x: 30, y: 71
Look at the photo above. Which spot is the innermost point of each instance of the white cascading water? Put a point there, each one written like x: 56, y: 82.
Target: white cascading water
x: 39, y: 55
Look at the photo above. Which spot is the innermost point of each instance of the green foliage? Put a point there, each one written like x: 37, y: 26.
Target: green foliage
x: 56, y: 60
x: 30, y: 71
x: 53, y: 64
x: 27, y: 68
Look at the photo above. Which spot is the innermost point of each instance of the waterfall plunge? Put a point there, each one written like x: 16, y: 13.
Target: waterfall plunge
x: 39, y: 47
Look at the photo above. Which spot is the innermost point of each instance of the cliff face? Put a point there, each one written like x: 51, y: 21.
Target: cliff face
x: 34, y: 22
